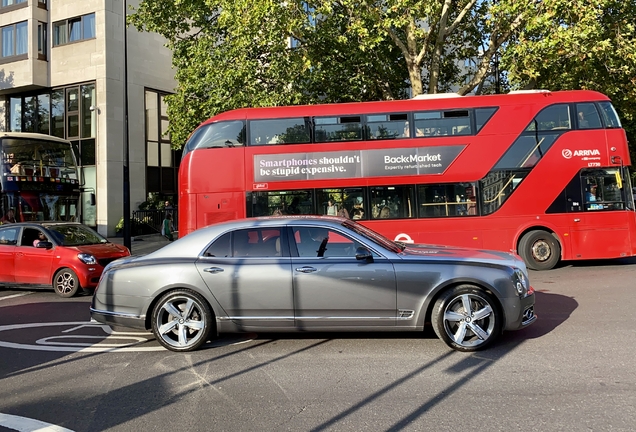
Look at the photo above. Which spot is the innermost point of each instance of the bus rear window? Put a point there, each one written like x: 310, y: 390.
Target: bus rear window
x: 219, y: 134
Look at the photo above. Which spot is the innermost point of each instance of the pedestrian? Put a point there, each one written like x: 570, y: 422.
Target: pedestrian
x: 167, y: 227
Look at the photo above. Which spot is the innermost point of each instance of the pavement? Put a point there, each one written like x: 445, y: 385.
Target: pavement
x: 144, y: 244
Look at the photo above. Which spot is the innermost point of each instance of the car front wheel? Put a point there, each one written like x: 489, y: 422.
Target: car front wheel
x: 65, y: 283
x: 182, y: 320
x: 466, y: 318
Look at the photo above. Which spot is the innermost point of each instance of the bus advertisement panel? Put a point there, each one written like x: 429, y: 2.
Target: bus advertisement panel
x: 543, y: 174
x: 39, y: 180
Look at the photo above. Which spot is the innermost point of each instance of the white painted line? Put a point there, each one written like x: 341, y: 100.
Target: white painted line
x: 15, y: 295
x: 24, y: 424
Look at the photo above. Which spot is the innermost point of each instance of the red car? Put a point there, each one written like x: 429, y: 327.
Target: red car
x: 66, y: 255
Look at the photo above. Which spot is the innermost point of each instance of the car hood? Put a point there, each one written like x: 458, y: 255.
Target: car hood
x: 104, y: 250
x: 443, y: 253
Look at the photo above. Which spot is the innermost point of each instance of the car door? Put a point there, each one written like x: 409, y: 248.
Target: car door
x: 249, y: 273
x: 32, y: 265
x: 333, y: 289
x: 8, y: 244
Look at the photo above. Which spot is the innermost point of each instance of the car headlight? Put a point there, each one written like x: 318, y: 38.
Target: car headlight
x: 520, y: 281
x: 87, y: 258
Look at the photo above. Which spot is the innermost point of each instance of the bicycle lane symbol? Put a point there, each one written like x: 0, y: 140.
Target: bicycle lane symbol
x: 71, y: 340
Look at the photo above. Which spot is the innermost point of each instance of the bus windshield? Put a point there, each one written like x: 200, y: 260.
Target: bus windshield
x: 34, y: 157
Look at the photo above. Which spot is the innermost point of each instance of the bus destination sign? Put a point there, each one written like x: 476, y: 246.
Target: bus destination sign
x: 354, y: 163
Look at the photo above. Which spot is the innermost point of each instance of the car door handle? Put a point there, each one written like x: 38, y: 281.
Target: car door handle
x: 306, y: 269
x: 213, y: 270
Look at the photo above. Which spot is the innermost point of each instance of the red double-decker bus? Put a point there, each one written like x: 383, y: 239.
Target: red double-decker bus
x: 540, y: 173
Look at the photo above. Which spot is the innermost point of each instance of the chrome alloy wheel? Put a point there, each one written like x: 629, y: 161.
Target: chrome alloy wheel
x: 469, y: 320
x: 180, y: 322
x: 65, y: 283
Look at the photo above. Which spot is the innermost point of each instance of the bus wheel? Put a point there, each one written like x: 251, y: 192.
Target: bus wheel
x: 65, y: 283
x: 466, y: 318
x: 540, y: 250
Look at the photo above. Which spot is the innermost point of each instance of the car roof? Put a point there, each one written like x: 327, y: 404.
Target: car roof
x: 43, y: 223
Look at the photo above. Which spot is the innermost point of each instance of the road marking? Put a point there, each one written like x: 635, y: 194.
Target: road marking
x: 15, y: 295
x: 24, y: 424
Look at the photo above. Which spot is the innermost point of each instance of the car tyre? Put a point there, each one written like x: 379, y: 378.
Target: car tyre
x: 65, y: 283
x: 540, y: 250
x: 182, y: 320
x: 467, y: 318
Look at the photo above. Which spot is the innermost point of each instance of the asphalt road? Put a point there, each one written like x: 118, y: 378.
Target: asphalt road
x: 573, y: 370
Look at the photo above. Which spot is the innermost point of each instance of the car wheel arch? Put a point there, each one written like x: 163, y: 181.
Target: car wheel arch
x: 157, y: 295
x: 429, y: 303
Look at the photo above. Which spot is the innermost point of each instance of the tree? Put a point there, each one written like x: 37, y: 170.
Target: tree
x: 581, y: 44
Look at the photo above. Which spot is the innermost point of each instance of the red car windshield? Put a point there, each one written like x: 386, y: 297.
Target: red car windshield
x: 75, y: 235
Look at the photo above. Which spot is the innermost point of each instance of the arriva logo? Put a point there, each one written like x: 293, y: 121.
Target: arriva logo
x: 567, y: 153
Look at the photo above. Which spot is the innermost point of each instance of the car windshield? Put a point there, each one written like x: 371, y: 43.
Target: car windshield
x: 75, y: 235
x: 376, y: 238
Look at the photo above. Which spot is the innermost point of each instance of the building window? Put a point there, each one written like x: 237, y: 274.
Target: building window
x: 15, y: 40
x: 74, y: 29
x: 42, y: 40
x: 9, y: 3
x: 162, y: 162
x: 42, y: 4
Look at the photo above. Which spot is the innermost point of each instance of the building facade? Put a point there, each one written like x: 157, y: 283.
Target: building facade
x: 62, y: 73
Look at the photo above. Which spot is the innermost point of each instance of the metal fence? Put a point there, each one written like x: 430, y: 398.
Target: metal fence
x: 149, y: 221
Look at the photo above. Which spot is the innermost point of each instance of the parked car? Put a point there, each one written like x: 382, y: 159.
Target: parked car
x: 312, y: 273
x: 66, y: 255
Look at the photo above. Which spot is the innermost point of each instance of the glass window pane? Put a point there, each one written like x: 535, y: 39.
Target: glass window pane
x: 152, y: 117
x: 88, y: 24
x: 44, y: 111
x: 443, y: 200
x: 609, y: 115
x: 482, y: 115
x: 89, y: 117
x: 279, y: 131
x: 87, y: 152
x: 29, y: 115
x: 442, y: 123
x: 73, y: 126
x: 496, y: 187
x: 587, y: 117
x: 261, y: 242
x: 392, y: 202
x: 220, y: 248
x: 75, y: 29
x: 72, y: 99
x: 527, y: 150
x: 42, y: 38
x: 165, y: 135
x: 15, y: 115
x: 345, y: 202
x: 57, y: 112
x: 338, y: 129
x: 59, y: 33
x: 22, y: 38
x: 219, y: 134
x: 387, y: 126
x: 164, y: 106
x: 153, y: 153
x: 7, y: 41
x: 555, y: 117
x: 166, y: 155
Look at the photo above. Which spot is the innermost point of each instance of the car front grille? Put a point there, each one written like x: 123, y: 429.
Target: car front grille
x: 105, y: 261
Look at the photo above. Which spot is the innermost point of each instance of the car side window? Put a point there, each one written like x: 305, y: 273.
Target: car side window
x: 29, y: 237
x: 257, y: 242
x: 314, y: 242
x: 9, y: 236
x: 220, y: 248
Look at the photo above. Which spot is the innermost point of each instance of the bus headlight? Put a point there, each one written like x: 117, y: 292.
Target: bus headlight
x: 87, y: 258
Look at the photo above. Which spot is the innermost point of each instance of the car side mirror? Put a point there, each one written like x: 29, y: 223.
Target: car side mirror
x: 363, y: 253
x: 44, y: 245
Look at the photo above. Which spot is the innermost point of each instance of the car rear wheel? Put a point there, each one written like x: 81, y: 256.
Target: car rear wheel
x: 540, y: 250
x: 182, y: 320
x: 466, y: 318
x: 65, y: 283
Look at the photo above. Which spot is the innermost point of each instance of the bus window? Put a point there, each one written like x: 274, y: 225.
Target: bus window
x: 587, y: 117
x: 555, y: 117
x: 439, y: 123
x: 279, y: 131
x: 482, y: 115
x: 527, y: 150
x: 609, y: 115
x: 443, y: 200
x: 219, y: 134
x: 392, y: 202
x: 339, y: 202
x: 387, y: 126
x: 497, y: 186
x: 278, y: 203
x: 345, y: 128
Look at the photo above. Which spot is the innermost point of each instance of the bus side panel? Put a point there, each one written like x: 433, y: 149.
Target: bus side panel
x: 603, y: 235
x: 219, y: 207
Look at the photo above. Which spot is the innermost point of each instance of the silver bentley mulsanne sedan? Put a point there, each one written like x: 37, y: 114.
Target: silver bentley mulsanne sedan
x: 312, y: 273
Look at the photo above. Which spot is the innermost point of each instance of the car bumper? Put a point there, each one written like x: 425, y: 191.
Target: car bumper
x: 519, y: 312
x: 118, y: 319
